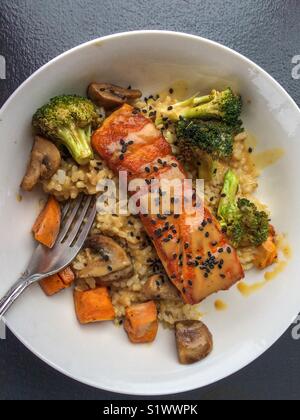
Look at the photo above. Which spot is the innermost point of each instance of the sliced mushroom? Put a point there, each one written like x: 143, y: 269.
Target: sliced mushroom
x: 111, y: 96
x: 45, y: 160
x: 194, y: 341
x: 159, y: 287
x: 112, y: 265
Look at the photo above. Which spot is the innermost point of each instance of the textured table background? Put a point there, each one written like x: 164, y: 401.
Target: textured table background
x: 34, y: 31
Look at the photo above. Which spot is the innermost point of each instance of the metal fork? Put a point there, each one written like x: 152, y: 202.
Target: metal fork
x: 77, y: 219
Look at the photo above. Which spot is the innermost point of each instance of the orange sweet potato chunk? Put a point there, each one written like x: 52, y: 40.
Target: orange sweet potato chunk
x: 141, y: 323
x: 54, y: 284
x: 47, y: 226
x: 93, y: 305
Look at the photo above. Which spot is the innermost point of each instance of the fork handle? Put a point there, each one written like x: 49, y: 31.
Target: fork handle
x: 14, y: 292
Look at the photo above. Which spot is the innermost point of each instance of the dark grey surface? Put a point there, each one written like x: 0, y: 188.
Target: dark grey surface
x: 34, y: 31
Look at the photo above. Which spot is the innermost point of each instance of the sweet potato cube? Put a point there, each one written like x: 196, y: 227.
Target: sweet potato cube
x: 47, y: 225
x: 54, y: 284
x: 141, y: 323
x: 93, y: 305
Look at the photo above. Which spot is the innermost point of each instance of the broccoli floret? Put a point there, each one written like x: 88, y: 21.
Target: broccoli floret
x: 213, y: 137
x: 69, y: 120
x: 225, y: 106
x: 206, y: 141
x: 244, y: 223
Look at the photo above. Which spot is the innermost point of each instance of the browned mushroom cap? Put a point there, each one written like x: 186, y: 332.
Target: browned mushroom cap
x: 111, y: 96
x: 112, y: 265
x: 194, y: 341
x: 159, y: 287
x: 44, y: 162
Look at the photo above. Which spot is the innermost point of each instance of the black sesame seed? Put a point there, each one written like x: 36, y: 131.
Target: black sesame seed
x: 174, y: 165
x: 190, y: 283
x: 223, y: 195
x: 220, y: 250
x: 228, y: 250
x: 222, y: 276
x: 109, y: 268
x: 171, y: 91
x: 147, y: 169
x: 214, y: 243
x: 186, y: 245
x: 250, y: 150
x: 206, y: 234
x: 121, y: 157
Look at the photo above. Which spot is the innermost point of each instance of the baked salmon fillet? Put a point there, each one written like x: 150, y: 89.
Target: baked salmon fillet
x: 191, y: 246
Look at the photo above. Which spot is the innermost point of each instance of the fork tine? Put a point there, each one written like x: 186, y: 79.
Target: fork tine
x: 75, y: 228
x: 87, y: 227
x: 65, y: 209
x: 69, y: 220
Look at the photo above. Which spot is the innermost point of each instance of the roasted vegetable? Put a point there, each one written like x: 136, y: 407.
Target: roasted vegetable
x: 111, y: 96
x: 244, y: 224
x: 47, y: 225
x: 141, y: 323
x: 266, y: 254
x: 194, y: 341
x: 44, y: 162
x: 54, y: 284
x: 158, y: 287
x: 195, y: 253
x: 225, y: 106
x: 69, y: 120
x: 112, y: 265
x: 214, y: 138
x: 93, y: 305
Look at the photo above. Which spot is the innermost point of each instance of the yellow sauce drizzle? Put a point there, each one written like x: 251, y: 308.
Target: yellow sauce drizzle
x: 180, y: 91
x: 248, y: 289
x: 220, y: 305
x: 264, y: 159
x: 19, y: 198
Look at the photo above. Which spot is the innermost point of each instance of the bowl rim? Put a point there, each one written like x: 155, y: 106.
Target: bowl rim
x: 250, y: 359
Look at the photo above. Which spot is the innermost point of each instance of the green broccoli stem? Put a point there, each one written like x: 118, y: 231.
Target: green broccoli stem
x: 227, y: 205
x: 194, y: 100
x: 205, y: 110
x: 78, y: 142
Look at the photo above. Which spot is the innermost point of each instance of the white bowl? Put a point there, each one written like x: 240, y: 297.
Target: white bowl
x: 101, y: 355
